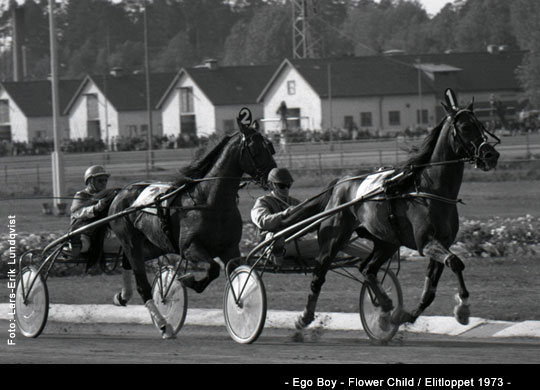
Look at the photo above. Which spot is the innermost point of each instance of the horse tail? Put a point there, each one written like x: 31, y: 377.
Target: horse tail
x: 311, y: 206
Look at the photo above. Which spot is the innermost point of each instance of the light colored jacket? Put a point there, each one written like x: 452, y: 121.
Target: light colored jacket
x: 84, y: 206
x: 267, y: 213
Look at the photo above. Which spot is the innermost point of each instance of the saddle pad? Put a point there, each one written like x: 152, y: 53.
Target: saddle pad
x: 373, y: 182
x: 149, y: 194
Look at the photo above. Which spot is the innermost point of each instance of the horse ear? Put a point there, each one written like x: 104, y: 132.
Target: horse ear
x: 447, y: 109
x: 471, y: 104
x: 451, y: 99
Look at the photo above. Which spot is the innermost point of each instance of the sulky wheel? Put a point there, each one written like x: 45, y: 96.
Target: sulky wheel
x: 170, y: 297
x: 31, y: 302
x: 370, y: 309
x: 109, y: 262
x: 244, y: 305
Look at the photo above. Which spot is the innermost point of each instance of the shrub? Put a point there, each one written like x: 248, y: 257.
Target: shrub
x: 497, y: 237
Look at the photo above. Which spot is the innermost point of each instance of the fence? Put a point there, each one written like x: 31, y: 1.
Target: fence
x: 33, y: 175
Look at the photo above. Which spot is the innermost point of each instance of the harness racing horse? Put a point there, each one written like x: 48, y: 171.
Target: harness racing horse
x: 418, y: 211
x: 204, y: 221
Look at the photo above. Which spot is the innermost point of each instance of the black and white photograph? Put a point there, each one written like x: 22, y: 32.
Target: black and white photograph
x: 314, y: 185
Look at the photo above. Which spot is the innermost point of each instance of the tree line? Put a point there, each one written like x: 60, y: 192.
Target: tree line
x: 96, y: 35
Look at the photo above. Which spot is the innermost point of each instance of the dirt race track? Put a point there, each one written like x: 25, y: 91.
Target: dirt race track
x: 109, y: 343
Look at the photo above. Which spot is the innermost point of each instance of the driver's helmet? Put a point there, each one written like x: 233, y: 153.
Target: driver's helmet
x: 280, y: 175
x: 94, y: 171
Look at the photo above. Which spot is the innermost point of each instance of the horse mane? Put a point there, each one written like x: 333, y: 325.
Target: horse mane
x: 425, y: 151
x: 201, y: 164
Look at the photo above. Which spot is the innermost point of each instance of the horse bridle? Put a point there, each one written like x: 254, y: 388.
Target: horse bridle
x: 260, y: 172
x: 475, y: 154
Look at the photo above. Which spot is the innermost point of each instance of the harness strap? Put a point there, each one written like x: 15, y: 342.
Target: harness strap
x: 427, y: 195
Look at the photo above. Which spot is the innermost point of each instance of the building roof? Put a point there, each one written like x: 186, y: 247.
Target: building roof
x: 127, y: 92
x: 34, y: 98
x: 228, y: 85
x: 398, y: 74
x: 355, y: 76
x: 480, y: 71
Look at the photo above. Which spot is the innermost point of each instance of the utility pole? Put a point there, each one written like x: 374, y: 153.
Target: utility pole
x: 148, y: 100
x: 57, y: 158
x: 17, y: 23
x: 419, y: 67
x: 331, y: 109
x: 105, y: 75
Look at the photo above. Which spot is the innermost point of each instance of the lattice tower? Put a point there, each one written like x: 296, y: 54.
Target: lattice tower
x: 307, y: 42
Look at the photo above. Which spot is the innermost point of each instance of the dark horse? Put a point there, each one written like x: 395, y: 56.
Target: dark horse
x: 418, y: 211
x: 204, y: 220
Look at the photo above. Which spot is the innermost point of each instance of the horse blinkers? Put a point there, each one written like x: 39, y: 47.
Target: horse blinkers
x: 481, y: 151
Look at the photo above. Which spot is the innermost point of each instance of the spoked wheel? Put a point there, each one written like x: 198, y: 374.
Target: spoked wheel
x: 109, y: 263
x: 31, y: 302
x: 170, y: 296
x: 244, y: 305
x: 370, y: 309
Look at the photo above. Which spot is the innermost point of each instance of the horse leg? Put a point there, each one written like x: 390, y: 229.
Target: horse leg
x: 381, y: 253
x: 433, y: 274
x: 122, y: 297
x: 332, y: 237
x: 133, y: 245
x: 441, y: 254
x: 198, y: 253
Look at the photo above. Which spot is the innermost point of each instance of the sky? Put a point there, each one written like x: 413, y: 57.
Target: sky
x: 432, y: 7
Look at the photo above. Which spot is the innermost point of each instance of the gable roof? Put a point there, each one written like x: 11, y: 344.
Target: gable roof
x: 398, y: 75
x: 227, y: 85
x: 127, y: 92
x: 480, y: 71
x: 34, y: 98
x: 355, y: 76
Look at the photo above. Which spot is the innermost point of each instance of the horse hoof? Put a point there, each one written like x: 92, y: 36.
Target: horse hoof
x: 299, y: 324
x: 303, y: 321
x: 385, y: 321
x: 119, y: 301
x: 400, y: 316
x: 462, y: 314
x: 167, y: 332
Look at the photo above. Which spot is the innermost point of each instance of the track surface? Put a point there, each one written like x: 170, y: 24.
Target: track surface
x: 104, y: 343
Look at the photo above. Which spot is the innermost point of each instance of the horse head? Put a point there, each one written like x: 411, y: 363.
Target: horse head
x: 256, y: 151
x: 470, y: 137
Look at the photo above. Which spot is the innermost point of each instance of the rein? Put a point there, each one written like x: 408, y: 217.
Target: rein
x: 412, y: 194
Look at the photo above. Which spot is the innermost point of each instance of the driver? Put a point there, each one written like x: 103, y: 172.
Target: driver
x: 89, y: 205
x: 270, y: 210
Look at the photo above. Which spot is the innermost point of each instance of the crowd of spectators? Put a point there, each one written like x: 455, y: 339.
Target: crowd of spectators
x: 341, y: 134
x: 88, y: 145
